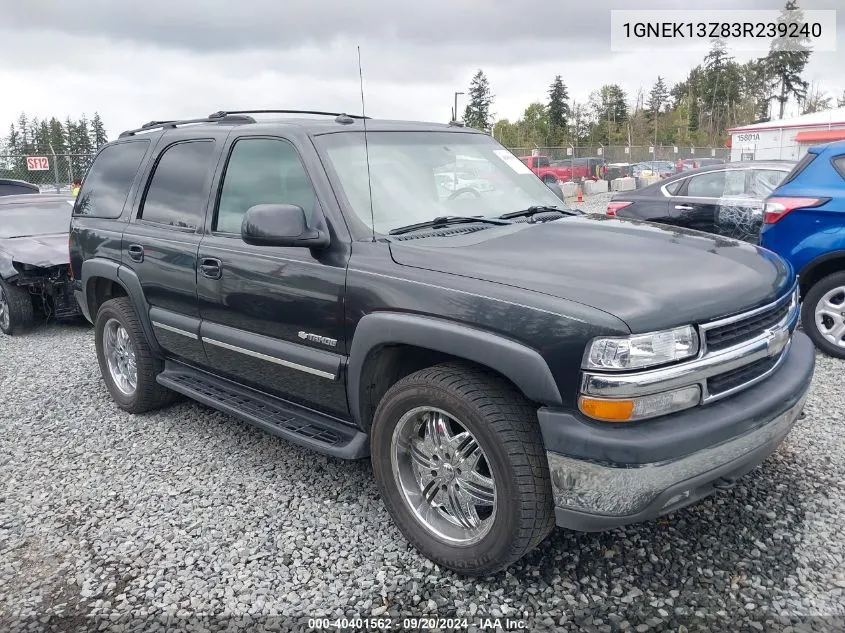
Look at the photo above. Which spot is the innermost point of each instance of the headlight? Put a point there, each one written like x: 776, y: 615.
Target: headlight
x: 628, y: 410
x: 642, y: 350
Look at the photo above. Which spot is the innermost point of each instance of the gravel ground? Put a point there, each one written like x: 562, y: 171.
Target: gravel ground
x: 596, y: 203
x: 189, y: 513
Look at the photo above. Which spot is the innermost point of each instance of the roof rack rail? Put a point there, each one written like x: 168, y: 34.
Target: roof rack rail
x: 224, y: 118
x: 223, y: 113
x: 152, y: 124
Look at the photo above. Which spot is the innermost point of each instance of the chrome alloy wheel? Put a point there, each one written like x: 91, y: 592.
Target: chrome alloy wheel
x: 120, y: 357
x: 830, y: 316
x: 444, y: 475
x: 5, y: 317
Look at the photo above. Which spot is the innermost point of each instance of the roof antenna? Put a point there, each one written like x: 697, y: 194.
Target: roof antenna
x: 366, y: 146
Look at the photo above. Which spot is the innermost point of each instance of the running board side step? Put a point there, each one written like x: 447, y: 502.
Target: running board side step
x: 283, y: 419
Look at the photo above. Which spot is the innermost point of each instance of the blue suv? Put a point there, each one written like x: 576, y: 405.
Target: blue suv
x: 804, y: 222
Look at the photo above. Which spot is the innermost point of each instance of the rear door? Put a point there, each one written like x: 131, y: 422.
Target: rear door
x: 161, y: 241
x: 697, y: 204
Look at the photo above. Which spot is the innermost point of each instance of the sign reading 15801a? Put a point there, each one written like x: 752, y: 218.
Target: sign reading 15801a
x: 37, y: 163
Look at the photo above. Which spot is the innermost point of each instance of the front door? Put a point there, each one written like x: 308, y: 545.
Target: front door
x: 272, y: 317
x: 160, y: 243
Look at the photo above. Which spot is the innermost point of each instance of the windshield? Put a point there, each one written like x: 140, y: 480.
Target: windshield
x: 419, y: 176
x: 44, y: 218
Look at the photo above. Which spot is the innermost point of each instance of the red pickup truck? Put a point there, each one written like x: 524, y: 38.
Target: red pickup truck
x: 558, y: 171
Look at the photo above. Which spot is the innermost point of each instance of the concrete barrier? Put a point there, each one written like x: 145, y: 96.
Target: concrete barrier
x: 570, y: 189
x: 623, y: 184
x: 645, y: 181
x: 595, y: 186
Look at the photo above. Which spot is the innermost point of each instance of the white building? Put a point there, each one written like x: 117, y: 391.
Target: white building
x: 786, y: 139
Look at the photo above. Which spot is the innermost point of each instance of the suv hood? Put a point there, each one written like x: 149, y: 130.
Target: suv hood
x: 651, y: 276
x: 38, y: 250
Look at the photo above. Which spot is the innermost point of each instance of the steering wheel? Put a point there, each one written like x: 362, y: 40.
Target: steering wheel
x: 463, y: 190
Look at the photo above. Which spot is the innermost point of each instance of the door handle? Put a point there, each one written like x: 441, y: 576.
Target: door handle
x: 136, y: 252
x: 683, y: 207
x: 211, y: 268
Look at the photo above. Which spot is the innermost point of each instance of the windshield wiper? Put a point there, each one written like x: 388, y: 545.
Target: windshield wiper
x: 530, y: 211
x: 443, y: 221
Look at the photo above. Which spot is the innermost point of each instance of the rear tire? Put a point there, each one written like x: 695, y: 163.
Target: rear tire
x: 823, y: 314
x: 127, y: 363
x: 16, y: 313
x: 487, y: 477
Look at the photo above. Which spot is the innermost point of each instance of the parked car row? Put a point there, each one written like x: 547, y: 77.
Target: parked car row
x: 508, y: 364
x: 796, y: 210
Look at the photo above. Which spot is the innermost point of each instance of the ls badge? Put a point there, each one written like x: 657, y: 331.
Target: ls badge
x: 316, y: 338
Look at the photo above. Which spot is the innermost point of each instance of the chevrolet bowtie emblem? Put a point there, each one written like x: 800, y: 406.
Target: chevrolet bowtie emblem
x: 777, y: 341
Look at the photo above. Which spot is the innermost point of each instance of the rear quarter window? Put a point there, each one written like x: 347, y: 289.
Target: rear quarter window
x: 839, y: 165
x: 109, y: 180
x: 674, y: 187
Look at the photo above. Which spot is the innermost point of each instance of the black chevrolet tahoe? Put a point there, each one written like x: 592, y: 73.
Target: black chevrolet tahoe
x: 508, y: 364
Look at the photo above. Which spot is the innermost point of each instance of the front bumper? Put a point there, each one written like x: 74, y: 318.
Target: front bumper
x: 604, y: 476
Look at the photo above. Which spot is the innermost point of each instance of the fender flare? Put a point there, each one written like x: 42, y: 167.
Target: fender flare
x: 522, y: 365
x: 128, y: 280
x: 810, y: 266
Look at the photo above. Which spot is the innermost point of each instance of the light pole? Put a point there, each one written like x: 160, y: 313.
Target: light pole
x: 455, y: 111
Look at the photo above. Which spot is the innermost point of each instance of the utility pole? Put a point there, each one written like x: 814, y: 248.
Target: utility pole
x: 455, y: 111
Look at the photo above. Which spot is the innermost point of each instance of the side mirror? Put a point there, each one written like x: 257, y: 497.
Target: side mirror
x: 280, y: 225
x: 556, y: 189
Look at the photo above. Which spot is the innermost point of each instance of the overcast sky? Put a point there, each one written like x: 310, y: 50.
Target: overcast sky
x: 156, y: 59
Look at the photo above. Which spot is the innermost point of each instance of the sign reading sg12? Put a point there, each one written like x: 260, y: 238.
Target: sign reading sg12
x: 37, y: 163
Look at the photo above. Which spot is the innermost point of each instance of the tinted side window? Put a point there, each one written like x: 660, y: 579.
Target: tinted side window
x: 761, y: 182
x: 107, y: 183
x: 262, y: 171
x: 717, y: 184
x: 839, y: 164
x: 673, y: 187
x: 178, y: 189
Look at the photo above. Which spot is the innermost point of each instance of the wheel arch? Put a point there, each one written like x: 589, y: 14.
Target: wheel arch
x: 104, y: 279
x: 820, y: 267
x: 387, y: 346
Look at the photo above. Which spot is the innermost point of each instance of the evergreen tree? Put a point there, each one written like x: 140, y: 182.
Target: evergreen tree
x: 840, y: 101
x: 786, y: 60
x: 657, y: 98
x: 558, y: 110
x: 13, y: 141
x: 477, y: 113
x: 98, y: 132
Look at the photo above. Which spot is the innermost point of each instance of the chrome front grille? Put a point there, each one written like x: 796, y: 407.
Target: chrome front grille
x: 731, y: 380
x: 736, y: 353
x: 744, y: 327
x: 769, y: 327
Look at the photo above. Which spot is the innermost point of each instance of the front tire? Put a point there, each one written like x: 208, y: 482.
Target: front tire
x: 823, y: 314
x: 127, y: 363
x: 16, y: 313
x: 461, y: 466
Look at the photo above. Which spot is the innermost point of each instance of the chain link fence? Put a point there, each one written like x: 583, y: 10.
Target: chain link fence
x: 626, y: 154
x: 51, y: 172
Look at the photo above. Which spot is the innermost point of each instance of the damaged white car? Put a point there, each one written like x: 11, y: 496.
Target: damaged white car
x: 34, y: 266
